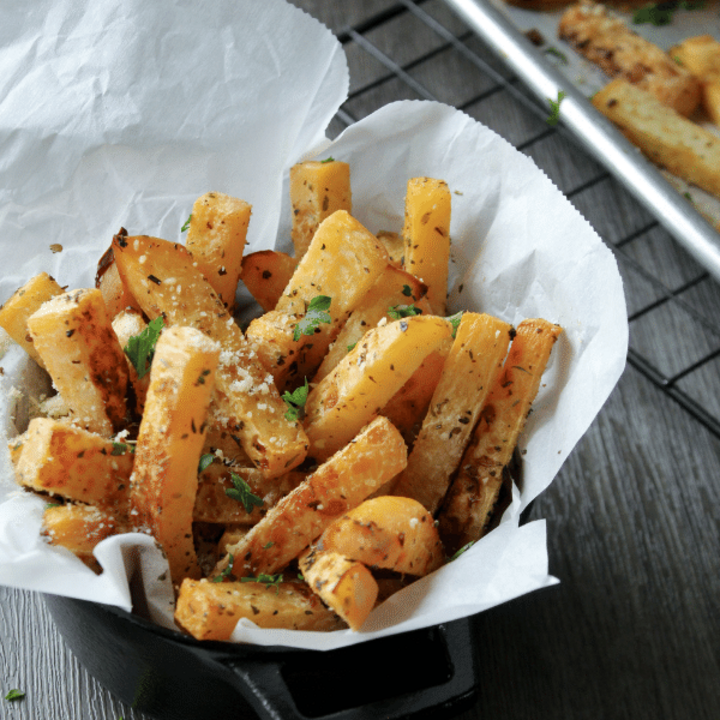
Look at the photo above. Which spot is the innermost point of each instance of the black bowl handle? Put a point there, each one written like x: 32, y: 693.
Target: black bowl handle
x: 431, y: 672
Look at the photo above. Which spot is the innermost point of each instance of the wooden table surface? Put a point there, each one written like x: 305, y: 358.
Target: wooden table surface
x: 633, y: 628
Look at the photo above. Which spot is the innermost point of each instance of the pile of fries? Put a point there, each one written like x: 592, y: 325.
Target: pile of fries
x: 297, y: 472
x: 660, y: 100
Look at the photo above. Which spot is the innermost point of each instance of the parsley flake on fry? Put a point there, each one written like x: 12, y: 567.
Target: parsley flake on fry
x: 243, y: 493
x: 454, y: 320
x: 141, y: 348
x: 295, y: 401
x: 186, y: 225
x: 266, y: 580
x: 226, y: 572
x: 205, y: 461
x: 316, y: 313
x: 397, y: 312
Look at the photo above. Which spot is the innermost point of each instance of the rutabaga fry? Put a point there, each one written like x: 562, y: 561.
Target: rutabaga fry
x: 164, y: 280
x: 366, y: 378
x: 473, y: 493
x: 345, y: 585
x: 375, y: 455
x: 473, y: 363
x: 73, y: 335
x: 210, y: 610
x: 163, y: 484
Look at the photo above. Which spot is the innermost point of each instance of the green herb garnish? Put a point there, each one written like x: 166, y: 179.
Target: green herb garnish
x: 316, y: 313
x: 266, y: 580
x: 407, y: 291
x: 462, y: 550
x: 454, y: 320
x: 554, y: 116
x: 227, y: 572
x: 397, y: 312
x: 186, y: 225
x: 327, y: 160
x: 205, y: 461
x: 120, y: 448
x: 141, y: 348
x: 295, y: 401
x: 15, y: 694
x: 243, y: 493
x: 556, y: 53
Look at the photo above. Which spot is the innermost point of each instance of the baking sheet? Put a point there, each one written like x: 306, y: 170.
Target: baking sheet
x: 688, y: 213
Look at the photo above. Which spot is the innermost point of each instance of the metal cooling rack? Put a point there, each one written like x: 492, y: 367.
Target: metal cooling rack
x: 667, y: 290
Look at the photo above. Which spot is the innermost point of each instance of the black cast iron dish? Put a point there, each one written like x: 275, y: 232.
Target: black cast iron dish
x: 170, y: 676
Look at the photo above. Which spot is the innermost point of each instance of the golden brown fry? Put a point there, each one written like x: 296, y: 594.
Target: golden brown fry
x: 73, y: 335
x: 344, y: 481
x: 407, y: 408
x: 14, y: 313
x: 108, y: 281
x: 216, y: 238
x: 172, y: 433
x: 346, y: 586
x: 394, y: 287
x: 473, y: 363
x: 426, y: 236
x: 343, y: 262
x: 210, y: 610
x: 63, y: 460
x: 393, y: 533
x: 317, y: 190
x: 266, y: 274
x: 366, y: 378
x: 700, y: 56
x: 162, y: 276
x: 474, y: 491
x: 79, y: 528
x: 667, y: 138
x: 605, y: 39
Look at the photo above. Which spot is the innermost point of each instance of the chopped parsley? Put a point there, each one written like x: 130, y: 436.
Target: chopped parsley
x: 141, y: 348
x: 462, y: 550
x: 120, y: 448
x: 328, y: 160
x: 407, y: 291
x: 15, y: 694
x: 397, y: 312
x: 205, y: 461
x: 454, y: 320
x: 243, y: 493
x: 550, y: 50
x: 554, y: 116
x: 186, y: 225
x: 316, y: 313
x: 266, y: 580
x: 227, y: 572
x: 295, y: 401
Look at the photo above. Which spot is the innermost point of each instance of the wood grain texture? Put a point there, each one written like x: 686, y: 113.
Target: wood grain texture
x: 632, y: 630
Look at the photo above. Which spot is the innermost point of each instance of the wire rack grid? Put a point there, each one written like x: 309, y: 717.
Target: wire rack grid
x: 665, y: 287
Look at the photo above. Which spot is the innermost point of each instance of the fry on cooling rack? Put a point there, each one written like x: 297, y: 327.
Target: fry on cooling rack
x: 667, y: 138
